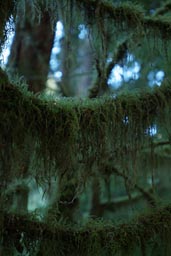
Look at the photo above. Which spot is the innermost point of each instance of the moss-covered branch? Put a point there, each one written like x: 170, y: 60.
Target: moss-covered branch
x: 104, y: 237
x: 147, y: 195
x: 121, y: 52
x: 131, y: 14
x: 66, y: 132
x: 101, y: 85
x: 164, y: 9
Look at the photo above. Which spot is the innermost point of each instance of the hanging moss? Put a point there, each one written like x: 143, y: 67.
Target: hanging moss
x: 95, y: 238
x: 63, y: 133
x: 131, y: 14
x: 128, y: 12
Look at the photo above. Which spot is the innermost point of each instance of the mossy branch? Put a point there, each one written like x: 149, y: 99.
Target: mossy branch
x: 101, y: 86
x: 132, y: 15
x: 148, y: 196
x: 118, y: 56
x: 164, y: 9
x: 60, y: 129
x: 161, y: 143
x: 113, y: 237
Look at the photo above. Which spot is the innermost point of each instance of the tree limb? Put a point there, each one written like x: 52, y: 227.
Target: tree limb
x: 163, y: 10
x: 146, y: 194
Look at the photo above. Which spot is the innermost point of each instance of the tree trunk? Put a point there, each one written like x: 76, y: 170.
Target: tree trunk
x: 31, y: 49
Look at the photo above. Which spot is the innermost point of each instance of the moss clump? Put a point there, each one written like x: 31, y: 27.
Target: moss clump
x: 3, y: 79
x: 127, y: 15
x: 58, y: 136
x: 95, y: 238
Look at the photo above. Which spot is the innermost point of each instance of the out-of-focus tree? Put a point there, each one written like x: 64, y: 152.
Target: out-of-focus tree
x: 32, y: 45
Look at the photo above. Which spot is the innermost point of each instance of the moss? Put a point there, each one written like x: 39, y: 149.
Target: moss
x: 3, y: 78
x: 164, y: 9
x: 160, y: 25
x: 127, y: 15
x: 64, y: 133
x: 95, y: 238
x: 128, y: 11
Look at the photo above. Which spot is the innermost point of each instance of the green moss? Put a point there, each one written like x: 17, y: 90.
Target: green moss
x: 127, y: 15
x: 95, y: 238
x: 64, y: 133
x: 3, y: 79
x: 164, y: 9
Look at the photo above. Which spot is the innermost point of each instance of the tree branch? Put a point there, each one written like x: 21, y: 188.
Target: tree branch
x: 163, y: 10
x: 108, y: 235
x: 130, y: 14
x: 118, y: 56
x: 146, y: 194
x: 104, y: 72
